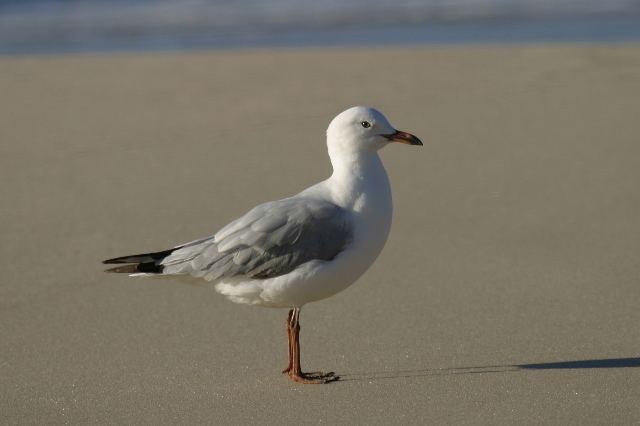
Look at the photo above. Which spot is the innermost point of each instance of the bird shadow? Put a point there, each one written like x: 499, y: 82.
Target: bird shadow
x: 507, y: 368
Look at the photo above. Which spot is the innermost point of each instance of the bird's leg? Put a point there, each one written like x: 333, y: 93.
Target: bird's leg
x: 290, y: 341
x: 296, y: 368
x: 295, y: 373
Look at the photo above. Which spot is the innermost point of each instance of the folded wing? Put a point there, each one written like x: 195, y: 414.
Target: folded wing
x: 272, y: 239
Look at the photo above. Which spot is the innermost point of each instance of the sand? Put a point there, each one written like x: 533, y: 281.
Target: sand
x: 516, y: 237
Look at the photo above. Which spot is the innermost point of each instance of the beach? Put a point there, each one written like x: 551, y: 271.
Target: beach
x: 507, y: 293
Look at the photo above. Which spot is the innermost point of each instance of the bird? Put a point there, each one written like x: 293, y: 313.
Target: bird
x: 301, y: 249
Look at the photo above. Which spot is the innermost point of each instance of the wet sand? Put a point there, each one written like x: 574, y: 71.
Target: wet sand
x: 508, y: 292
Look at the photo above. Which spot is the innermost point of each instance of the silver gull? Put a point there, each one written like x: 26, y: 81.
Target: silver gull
x: 287, y: 253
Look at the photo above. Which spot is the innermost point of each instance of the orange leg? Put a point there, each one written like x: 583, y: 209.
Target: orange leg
x: 294, y: 370
x: 290, y: 339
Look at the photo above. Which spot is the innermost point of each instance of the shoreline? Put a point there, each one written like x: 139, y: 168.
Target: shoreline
x: 604, y: 29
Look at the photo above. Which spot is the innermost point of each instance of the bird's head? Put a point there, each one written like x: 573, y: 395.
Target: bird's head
x: 364, y: 129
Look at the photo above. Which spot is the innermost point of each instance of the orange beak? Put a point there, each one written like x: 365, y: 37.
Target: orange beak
x: 403, y: 137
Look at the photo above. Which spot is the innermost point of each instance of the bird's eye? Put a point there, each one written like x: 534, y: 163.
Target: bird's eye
x: 365, y: 124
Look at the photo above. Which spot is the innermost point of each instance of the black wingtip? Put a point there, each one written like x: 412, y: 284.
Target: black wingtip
x: 145, y: 263
x: 148, y: 268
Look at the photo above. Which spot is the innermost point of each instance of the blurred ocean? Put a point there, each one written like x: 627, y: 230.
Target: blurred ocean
x: 63, y: 26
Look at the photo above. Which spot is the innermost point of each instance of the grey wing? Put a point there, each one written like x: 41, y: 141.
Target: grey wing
x: 271, y: 240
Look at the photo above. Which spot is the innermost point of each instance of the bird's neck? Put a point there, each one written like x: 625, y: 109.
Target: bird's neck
x: 358, y: 176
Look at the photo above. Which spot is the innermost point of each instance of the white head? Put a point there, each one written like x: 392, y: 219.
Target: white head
x: 361, y: 130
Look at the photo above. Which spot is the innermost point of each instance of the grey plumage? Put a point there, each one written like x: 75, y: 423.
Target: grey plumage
x: 270, y: 240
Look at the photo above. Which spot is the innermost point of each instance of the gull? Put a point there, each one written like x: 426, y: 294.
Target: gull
x: 290, y: 252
